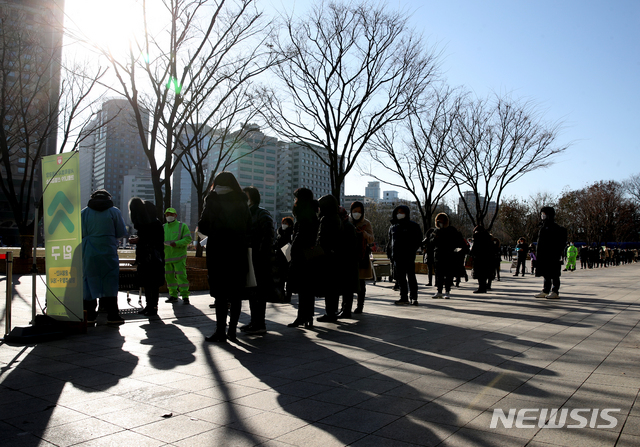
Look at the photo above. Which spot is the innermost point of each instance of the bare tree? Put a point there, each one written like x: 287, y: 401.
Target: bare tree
x: 415, y: 162
x: 631, y: 186
x: 41, y: 101
x: 348, y: 70
x: 207, y: 53
x: 498, y: 140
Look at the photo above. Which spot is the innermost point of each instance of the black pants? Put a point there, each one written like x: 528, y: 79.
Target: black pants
x: 521, y: 262
x: 222, y: 308
x: 406, y: 276
x: 347, y: 298
x: 110, y: 303
x: 151, y: 294
x: 551, y: 283
x: 258, y: 309
x: 306, y: 306
x: 443, y: 279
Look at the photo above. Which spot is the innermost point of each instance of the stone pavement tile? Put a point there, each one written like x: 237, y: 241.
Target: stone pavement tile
x: 320, y: 435
x: 50, y: 417
x: 628, y: 441
x: 632, y: 426
x: 343, y: 396
x: 268, y: 425
x: 77, y: 432
x: 329, y: 379
x: 105, y: 403
x: 265, y: 400
x: 423, y: 394
x: 227, y: 391
x: 164, y: 377
x: 496, y: 383
x: 304, y: 389
x: 413, y: 430
x: 28, y: 406
x: 373, y: 440
x: 541, y: 389
x: 466, y: 437
x: 134, y: 416
x: 224, y: 413
x: 357, y: 419
x: 222, y: 436
x: 448, y: 415
x: 8, y: 395
x: 393, y: 405
x: 143, y: 392
x: 374, y: 386
x: 483, y: 423
x: 17, y: 378
x: 295, y: 373
x: 15, y: 437
x: 309, y: 409
x: 123, y: 438
x: 175, y: 428
x: 464, y: 399
x: 185, y: 403
x: 192, y: 384
x: 583, y: 437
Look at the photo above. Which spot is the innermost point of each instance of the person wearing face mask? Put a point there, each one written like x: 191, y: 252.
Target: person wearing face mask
x: 283, y: 237
x: 226, y: 221
x: 552, y: 239
x: 405, y: 238
x: 448, y: 243
x: 364, y: 234
x: 176, y: 239
x: 572, y: 256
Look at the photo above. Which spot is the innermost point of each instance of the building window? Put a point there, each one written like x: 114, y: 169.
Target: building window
x: 259, y: 171
x: 245, y: 176
x: 258, y: 177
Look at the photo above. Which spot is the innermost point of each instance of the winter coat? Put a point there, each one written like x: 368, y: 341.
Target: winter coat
x: 552, y: 239
x: 364, y: 234
x: 445, y: 241
x: 522, y: 250
x: 483, y: 255
x: 227, y: 222
x: 102, y: 226
x: 262, y: 247
x: 405, y: 237
x: 427, y: 247
x: 349, y: 252
x: 177, y: 232
x: 329, y: 241
x: 150, y: 254
x: 302, y: 274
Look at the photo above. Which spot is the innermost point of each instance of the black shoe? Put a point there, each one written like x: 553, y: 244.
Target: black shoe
x: 221, y: 338
x: 296, y: 323
x: 344, y: 314
x: 358, y: 310
x: 479, y: 291
x: 245, y: 328
x: 429, y: 285
x: 186, y: 301
x: 327, y: 319
x: 404, y: 302
x: 254, y: 330
x: 212, y: 306
x: 308, y: 324
x: 117, y: 319
x: 231, y: 335
x: 414, y: 302
x: 171, y: 299
x: 143, y: 311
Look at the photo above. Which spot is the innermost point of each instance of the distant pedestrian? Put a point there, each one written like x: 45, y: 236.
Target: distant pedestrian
x: 427, y: 255
x: 284, y: 235
x: 102, y: 227
x: 226, y: 221
x: 572, y: 255
x: 483, y: 255
x: 522, y: 250
x: 405, y: 238
x: 551, y: 242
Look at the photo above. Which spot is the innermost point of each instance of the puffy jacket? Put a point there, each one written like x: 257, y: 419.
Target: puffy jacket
x: 405, y: 237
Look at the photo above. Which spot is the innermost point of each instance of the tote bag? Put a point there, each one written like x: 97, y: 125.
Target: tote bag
x: 251, y: 274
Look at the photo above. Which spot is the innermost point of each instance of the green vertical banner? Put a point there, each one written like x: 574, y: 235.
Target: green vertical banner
x: 63, y: 236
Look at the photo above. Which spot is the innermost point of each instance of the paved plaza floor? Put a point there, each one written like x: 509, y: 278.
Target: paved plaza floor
x: 423, y: 375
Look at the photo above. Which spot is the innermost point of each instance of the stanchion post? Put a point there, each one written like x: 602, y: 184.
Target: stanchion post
x: 9, y: 282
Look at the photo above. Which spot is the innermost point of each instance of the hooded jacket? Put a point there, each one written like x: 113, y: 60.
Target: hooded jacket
x: 405, y: 236
x: 364, y: 232
x: 445, y: 241
x: 552, y: 238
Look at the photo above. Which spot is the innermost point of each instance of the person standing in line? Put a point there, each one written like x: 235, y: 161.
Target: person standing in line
x: 102, y: 227
x: 149, y: 242
x: 364, y: 234
x: 572, y: 255
x: 522, y: 249
x: 328, y: 241
x: 498, y: 258
x: 405, y: 238
x: 551, y: 242
x: 447, y: 243
x: 176, y: 240
x: 226, y: 221
x: 427, y: 254
x: 534, y: 260
x: 283, y: 237
x: 483, y: 255
x: 263, y: 258
x: 302, y: 276
x: 584, y: 257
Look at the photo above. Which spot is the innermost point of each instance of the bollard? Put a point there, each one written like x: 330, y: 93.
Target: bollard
x: 9, y: 283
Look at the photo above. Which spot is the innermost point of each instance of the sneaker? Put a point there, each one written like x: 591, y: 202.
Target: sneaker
x: 553, y: 296
x: 404, y: 302
x: 186, y: 301
x: 414, y: 302
x: 540, y: 295
x: 447, y: 296
x: 171, y: 299
x: 437, y: 296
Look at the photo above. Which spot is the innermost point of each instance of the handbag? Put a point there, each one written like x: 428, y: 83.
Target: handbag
x: 251, y: 274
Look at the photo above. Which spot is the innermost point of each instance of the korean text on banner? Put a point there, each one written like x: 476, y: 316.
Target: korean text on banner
x: 63, y: 235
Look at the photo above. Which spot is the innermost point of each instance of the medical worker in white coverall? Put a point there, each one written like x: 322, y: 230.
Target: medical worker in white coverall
x: 176, y: 239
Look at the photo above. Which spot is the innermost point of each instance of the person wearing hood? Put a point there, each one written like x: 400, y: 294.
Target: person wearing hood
x: 102, y: 226
x: 552, y: 239
x: 447, y: 243
x: 284, y: 235
x: 329, y: 243
x: 364, y: 236
x: 149, y: 242
x: 483, y: 255
x: 405, y: 238
x: 226, y: 221
x: 301, y: 269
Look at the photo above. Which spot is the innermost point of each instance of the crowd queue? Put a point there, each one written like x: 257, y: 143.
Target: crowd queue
x: 323, y: 250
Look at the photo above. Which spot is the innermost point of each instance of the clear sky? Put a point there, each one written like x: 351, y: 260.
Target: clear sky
x: 579, y: 60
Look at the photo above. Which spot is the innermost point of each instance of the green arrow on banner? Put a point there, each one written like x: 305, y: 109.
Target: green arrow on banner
x: 60, y: 217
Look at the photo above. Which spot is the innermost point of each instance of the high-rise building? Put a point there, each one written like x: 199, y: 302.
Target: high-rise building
x: 136, y: 183
x: 390, y: 196
x: 373, y: 191
x: 31, y: 33
x: 115, y: 149
x: 469, y: 198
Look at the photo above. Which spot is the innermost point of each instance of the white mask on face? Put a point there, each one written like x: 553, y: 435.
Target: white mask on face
x: 170, y: 218
x: 285, y: 226
x: 223, y: 189
x: 356, y: 216
x: 543, y: 216
x: 400, y: 216
x: 440, y: 225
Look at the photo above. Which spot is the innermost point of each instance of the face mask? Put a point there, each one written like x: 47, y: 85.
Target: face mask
x: 356, y: 216
x: 400, y: 216
x: 285, y: 226
x: 170, y: 218
x: 439, y: 225
x: 543, y: 216
x: 223, y: 189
